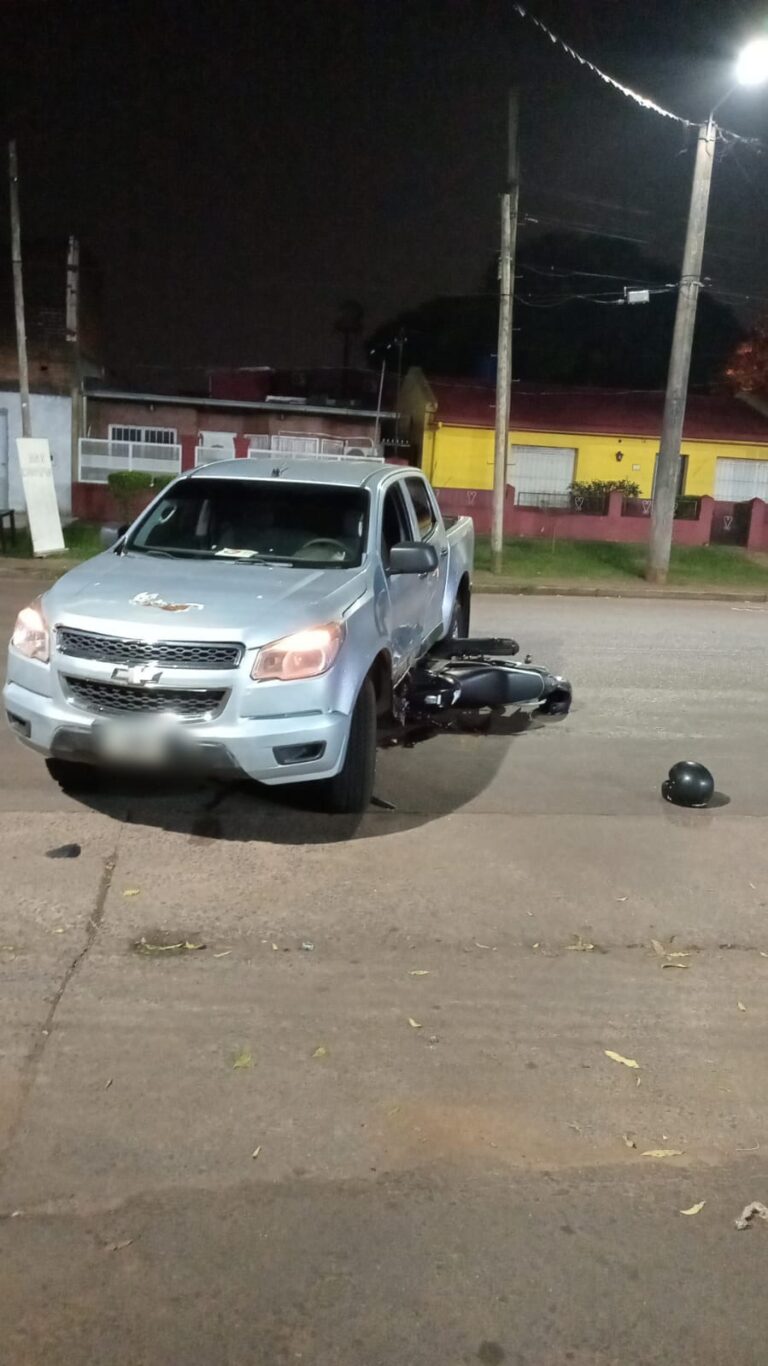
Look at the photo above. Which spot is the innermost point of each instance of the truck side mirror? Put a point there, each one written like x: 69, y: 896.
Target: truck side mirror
x: 412, y: 557
x: 110, y: 535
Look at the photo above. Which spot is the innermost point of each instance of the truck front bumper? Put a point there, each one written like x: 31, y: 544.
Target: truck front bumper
x: 274, y: 750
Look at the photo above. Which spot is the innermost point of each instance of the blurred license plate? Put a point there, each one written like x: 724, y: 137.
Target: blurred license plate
x: 134, y: 742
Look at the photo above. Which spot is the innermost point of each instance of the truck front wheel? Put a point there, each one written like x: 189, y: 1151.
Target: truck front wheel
x: 352, y: 788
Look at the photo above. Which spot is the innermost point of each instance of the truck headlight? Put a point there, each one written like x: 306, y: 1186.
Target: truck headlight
x: 303, y: 655
x: 30, y: 634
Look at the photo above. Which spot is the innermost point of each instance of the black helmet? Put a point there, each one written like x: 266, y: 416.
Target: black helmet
x: 688, y: 784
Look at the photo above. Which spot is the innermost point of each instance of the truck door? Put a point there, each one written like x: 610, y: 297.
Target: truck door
x: 407, y: 599
x: 429, y: 528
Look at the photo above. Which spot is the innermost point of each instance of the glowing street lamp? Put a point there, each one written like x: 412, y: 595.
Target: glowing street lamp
x: 752, y: 63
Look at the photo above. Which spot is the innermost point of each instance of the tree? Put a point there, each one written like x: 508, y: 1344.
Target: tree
x: 571, y: 323
x: 747, y: 369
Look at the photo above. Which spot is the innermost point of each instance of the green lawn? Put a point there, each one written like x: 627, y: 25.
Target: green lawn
x: 617, y: 563
x: 80, y: 538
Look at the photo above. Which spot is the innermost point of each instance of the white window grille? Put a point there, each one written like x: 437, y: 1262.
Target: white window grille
x: 738, y: 480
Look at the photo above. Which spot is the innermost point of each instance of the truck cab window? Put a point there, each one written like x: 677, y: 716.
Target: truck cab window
x: 422, y: 505
x: 394, y: 522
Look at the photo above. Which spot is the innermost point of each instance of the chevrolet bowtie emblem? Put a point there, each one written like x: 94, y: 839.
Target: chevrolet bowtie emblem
x: 139, y: 675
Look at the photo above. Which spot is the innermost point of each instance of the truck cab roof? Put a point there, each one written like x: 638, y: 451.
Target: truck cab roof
x: 344, y: 471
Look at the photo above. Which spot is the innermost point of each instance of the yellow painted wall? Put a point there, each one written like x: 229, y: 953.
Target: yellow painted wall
x: 462, y: 457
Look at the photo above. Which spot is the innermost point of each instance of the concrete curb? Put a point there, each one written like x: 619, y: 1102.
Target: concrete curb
x: 555, y: 590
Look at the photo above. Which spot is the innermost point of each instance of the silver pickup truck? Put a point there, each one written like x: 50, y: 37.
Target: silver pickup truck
x: 263, y: 618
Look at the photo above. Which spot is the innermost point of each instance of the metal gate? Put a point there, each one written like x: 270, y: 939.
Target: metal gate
x: 730, y: 523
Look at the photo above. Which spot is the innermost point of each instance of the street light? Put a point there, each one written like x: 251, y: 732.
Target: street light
x: 751, y: 70
x: 752, y: 63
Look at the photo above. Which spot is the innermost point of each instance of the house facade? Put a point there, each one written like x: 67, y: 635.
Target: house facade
x: 559, y: 436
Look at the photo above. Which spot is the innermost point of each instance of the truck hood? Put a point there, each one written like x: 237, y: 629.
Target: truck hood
x: 149, y: 597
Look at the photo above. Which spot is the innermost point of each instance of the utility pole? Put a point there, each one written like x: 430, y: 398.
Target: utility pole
x: 73, y: 346
x: 668, y: 463
x: 509, y: 212
x: 18, y: 291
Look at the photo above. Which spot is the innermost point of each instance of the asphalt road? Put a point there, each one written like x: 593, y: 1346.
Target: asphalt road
x: 372, y: 1121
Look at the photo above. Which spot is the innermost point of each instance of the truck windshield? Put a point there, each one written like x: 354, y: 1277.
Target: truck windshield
x: 256, y: 520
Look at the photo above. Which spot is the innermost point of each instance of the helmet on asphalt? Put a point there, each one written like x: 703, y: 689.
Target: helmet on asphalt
x: 689, y: 784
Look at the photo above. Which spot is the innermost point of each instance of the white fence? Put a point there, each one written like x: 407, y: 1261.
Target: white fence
x: 97, y: 458
x: 300, y: 444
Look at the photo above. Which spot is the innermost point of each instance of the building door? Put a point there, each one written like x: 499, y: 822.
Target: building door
x: 682, y: 475
x: 737, y: 482
x: 541, y: 475
x: 4, y: 488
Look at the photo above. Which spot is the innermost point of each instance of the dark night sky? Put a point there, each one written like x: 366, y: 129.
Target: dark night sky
x: 239, y: 168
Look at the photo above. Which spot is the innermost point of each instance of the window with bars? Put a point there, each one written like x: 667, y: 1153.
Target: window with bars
x: 153, y: 436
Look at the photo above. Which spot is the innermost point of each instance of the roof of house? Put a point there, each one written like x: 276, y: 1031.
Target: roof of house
x: 613, y: 412
x: 278, y: 404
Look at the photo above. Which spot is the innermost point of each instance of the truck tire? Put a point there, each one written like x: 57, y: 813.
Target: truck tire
x: 74, y: 777
x: 351, y: 790
x: 459, y: 625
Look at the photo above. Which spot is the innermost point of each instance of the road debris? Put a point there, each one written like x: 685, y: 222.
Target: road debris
x: 242, y: 1060
x: 618, y: 1057
x: 118, y: 1247
x: 419, y: 972
x: 414, y: 1023
x: 490, y: 946
x: 757, y: 1210
x: 145, y: 945
x: 742, y: 1006
x: 320, y: 1052
x: 669, y: 964
x: 132, y: 891
x: 108, y: 1083
x: 658, y: 948
x: 256, y: 1151
x: 628, y: 1142
x: 573, y: 1125
x: 581, y: 946
x: 224, y: 953
x: 695, y: 1209
x: 65, y: 851
x: 622, y: 898
x: 307, y: 945
x: 663, y: 1152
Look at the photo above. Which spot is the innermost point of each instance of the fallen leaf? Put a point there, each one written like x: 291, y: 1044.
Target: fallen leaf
x: 118, y: 1247
x: 274, y: 946
x: 622, y: 898
x: 321, y: 1052
x: 536, y: 946
x: 107, y: 1084
x: 680, y: 954
x: 628, y: 1142
x: 223, y: 954
x: 617, y: 1057
x: 663, y: 1152
x: 419, y: 972
x: 414, y: 1023
x: 132, y: 891
x: 576, y: 1127
x: 741, y: 1005
x: 658, y: 948
x: 695, y: 1209
x: 481, y: 946
x: 307, y: 945
x: 256, y: 1151
x: 763, y: 955
x: 192, y: 947
x: 675, y: 965
x: 244, y: 1059
x: 752, y: 885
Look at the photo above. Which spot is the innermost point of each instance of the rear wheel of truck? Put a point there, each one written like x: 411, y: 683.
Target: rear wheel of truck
x: 351, y: 790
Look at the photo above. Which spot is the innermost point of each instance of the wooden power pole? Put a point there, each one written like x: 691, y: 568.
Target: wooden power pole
x: 668, y: 464
x: 18, y: 291
x: 509, y: 211
x: 73, y: 346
